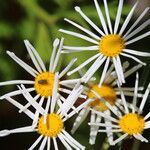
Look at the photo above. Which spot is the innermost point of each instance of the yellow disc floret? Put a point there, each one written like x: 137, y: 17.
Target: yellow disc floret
x: 105, y: 91
x: 111, y: 45
x: 132, y: 123
x: 52, y: 127
x: 44, y: 83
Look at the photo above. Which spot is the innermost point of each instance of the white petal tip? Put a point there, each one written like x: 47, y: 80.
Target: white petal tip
x: 56, y: 42
x: 68, y: 74
x: 77, y: 8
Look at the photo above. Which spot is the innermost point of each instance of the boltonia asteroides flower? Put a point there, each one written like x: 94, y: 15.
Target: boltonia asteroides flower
x: 111, y: 93
x: 111, y: 42
x: 43, y: 80
x: 48, y: 120
x: 128, y: 121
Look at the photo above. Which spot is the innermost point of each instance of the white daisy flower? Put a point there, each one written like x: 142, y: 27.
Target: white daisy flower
x: 48, y: 121
x: 128, y: 121
x: 43, y: 80
x: 111, y: 43
x: 111, y: 93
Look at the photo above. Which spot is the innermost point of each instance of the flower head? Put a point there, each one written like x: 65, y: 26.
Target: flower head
x: 43, y: 80
x: 110, y: 42
x: 128, y: 119
x: 48, y: 121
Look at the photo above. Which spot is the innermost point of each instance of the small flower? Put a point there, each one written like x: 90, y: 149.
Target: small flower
x: 48, y: 121
x: 43, y: 81
x: 108, y: 91
x: 110, y: 44
x: 128, y: 120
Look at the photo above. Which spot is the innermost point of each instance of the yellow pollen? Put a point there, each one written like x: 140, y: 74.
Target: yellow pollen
x: 105, y: 91
x: 52, y: 127
x: 44, y: 83
x: 111, y: 45
x: 132, y: 123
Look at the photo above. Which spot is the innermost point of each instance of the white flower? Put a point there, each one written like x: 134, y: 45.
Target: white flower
x: 111, y: 93
x: 111, y: 43
x: 48, y: 121
x: 128, y: 121
x: 43, y: 80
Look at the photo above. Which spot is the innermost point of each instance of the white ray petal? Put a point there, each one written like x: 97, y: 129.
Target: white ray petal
x: 47, y: 108
x: 108, y: 16
x: 136, y: 90
x: 83, y: 29
x: 36, y: 115
x: 144, y: 99
x: 33, y: 58
x: 71, y: 81
x: 52, y: 58
x: 58, y: 55
x: 134, y: 58
x: 16, y: 82
x: 147, y: 125
x: 128, y: 19
x: 104, y: 125
x: 101, y: 17
x: 17, y: 130
x: 140, y: 28
x: 104, y: 71
x: 64, y: 142
x: 117, y: 69
x: 138, y: 53
x: 69, y: 142
x: 36, y: 142
x: 55, y: 143
x: 83, y: 64
x: 22, y: 64
x: 119, y: 139
x: 42, y: 146
x: 137, y: 21
x: 147, y: 116
x: 118, y: 63
x: 94, y: 132
x: 89, y: 21
x: 132, y: 70
x: 66, y: 69
x: 73, y: 140
x: 76, y: 49
x: 138, y: 38
x: 140, y: 137
x: 99, y: 61
x: 18, y: 105
x: 48, y: 143
x: 118, y: 16
x: 80, y: 118
x: 54, y: 93
x: 123, y: 99
x: 14, y: 93
x: 112, y: 130
x: 105, y: 116
x: 79, y: 36
x: 40, y: 61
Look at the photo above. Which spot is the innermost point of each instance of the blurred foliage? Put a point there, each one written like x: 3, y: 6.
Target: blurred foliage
x: 39, y: 21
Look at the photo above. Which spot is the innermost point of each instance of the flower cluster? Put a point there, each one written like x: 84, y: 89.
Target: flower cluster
x: 113, y: 107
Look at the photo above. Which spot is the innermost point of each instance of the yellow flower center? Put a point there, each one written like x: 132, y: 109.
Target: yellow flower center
x: 132, y: 123
x: 111, y: 45
x: 44, y: 83
x: 52, y: 127
x: 105, y: 91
